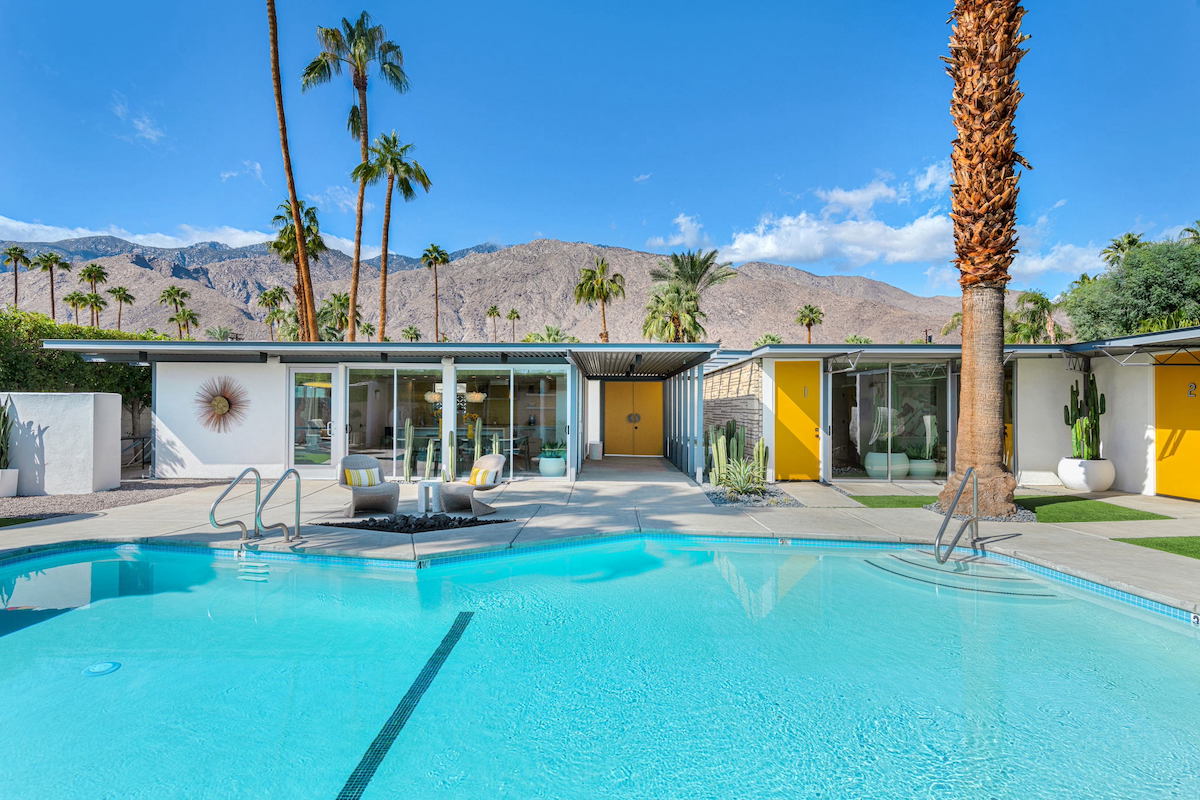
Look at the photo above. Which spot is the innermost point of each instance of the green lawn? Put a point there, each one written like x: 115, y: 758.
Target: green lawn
x: 1054, y: 508
x: 893, y: 500
x: 1179, y: 545
x: 14, y: 520
x: 1065, y: 508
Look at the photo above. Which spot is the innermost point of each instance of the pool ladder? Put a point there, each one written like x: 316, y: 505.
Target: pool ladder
x: 260, y: 503
x: 972, y: 520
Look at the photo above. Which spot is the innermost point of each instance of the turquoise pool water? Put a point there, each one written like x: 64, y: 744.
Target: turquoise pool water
x: 632, y: 669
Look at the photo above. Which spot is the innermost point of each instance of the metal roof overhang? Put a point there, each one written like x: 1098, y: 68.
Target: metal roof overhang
x: 599, y: 361
x: 1179, y: 347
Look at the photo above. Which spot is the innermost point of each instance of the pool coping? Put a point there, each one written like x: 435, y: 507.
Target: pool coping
x: 1137, y: 599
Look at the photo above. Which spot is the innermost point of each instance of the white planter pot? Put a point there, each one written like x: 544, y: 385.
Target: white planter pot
x: 876, y: 465
x: 552, y: 467
x: 1083, y: 475
x: 922, y: 468
x: 8, y: 483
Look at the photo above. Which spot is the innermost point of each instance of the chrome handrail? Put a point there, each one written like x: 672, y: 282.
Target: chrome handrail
x: 972, y: 520
x: 258, y: 523
x: 212, y: 510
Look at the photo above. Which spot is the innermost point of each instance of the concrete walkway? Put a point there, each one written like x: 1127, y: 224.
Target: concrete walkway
x: 620, y: 498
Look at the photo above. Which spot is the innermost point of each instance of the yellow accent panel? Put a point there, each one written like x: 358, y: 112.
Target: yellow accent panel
x: 623, y: 436
x: 797, y: 420
x: 1177, y: 431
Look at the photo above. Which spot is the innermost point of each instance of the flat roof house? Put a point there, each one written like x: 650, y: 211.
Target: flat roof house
x: 882, y: 411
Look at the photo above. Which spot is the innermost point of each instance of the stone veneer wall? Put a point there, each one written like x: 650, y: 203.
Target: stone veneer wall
x: 736, y: 393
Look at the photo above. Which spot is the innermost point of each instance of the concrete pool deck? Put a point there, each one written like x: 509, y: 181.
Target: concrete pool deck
x: 607, y: 502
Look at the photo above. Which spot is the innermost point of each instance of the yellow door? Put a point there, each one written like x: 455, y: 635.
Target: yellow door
x: 633, y: 418
x: 1177, y: 431
x: 797, y: 420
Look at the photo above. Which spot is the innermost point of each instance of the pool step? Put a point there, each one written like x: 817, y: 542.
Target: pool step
x: 255, y: 571
x: 967, y: 574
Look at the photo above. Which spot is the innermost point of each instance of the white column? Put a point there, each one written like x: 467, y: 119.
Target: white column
x: 449, y: 413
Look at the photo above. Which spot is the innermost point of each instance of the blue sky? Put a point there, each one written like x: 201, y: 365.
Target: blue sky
x: 806, y: 133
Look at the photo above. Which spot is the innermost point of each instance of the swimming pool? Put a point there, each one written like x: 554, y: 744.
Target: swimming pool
x: 647, y: 668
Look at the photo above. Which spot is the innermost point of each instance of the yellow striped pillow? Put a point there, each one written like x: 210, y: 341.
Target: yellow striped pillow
x: 363, y: 477
x: 483, y: 477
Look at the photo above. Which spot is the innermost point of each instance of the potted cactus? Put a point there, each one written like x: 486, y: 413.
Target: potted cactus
x: 8, y: 474
x: 1085, y: 470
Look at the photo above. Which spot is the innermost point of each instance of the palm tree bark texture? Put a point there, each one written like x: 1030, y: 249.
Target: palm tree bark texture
x: 985, y: 49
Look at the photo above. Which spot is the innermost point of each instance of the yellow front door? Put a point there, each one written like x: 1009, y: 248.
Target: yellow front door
x: 797, y: 420
x: 633, y: 418
x: 1177, y: 431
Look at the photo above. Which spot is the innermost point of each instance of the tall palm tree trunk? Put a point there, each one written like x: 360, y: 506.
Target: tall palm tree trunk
x: 514, y: 330
x: 809, y: 329
x: 120, y: 308
x: 16, y: 287
x: 53, y: 317
x: 984, y: 52
x: 603, y: 323
x: 360, y: 83
x: 437, y: 314
x: 383, y: 258
x: 304, y: 290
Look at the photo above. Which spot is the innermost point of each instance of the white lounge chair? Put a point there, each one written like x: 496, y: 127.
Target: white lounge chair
x: 381, y: 497
x: 460, y: 495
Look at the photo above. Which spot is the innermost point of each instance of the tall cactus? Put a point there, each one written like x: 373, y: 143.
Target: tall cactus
x: 430, y: 450
x: 495, y: 444
x: 1082, y: 416
x: 409, y: 455
x: 760, y: 458
x: 478, y: 439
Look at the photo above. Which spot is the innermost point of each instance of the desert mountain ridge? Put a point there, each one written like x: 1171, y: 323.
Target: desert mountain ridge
x: 535, y: 278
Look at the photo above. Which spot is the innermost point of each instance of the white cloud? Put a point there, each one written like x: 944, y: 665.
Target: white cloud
x: 645, y: 176
x: 341, y: 198
x: 250, y: 169
x: 143, y: 125
x: 805, y: 238
x: 858, y: 202
x: 1069, y: 259
x: 934, y: 179
x: 689, y: 233
x: 347, y: 246
x: 1059, y: 204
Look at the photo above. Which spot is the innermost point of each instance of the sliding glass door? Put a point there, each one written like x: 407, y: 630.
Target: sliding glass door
x: 311, y: 430
x: 393, y: 415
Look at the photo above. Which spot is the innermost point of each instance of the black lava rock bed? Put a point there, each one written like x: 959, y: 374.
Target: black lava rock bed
x: 416, y: 523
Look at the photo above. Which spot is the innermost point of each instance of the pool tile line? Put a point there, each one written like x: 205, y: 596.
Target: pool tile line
x: 358, y: 781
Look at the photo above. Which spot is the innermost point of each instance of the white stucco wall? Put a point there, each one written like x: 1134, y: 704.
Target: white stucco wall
x: 1043, y: 388
x: 1127, y: 429
x: 66, y: 443
x: 592, y: 412
x: 184, y: 448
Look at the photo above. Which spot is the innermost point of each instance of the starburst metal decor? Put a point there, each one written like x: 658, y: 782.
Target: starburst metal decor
x: 221, y: 403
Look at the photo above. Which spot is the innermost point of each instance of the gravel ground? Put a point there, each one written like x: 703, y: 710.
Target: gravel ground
x: 774, y: 497
x: 133, y: 491
x: 1022, y: 515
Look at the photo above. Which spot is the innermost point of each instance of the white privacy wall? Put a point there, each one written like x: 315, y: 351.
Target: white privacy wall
x: 1043, y: 388
x: 1127, y: 429
x: 65, y: 443
x: 184, y: 448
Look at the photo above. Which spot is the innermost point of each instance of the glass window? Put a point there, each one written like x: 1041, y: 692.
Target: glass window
x: 312, y: 419
x: 371, y: 415
x: 484, y: 421
x: 540, y: 421
x: 919, y: 420
x: 419, y: 402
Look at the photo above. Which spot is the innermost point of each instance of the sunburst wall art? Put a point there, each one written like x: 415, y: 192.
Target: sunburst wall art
x: 221, y: 403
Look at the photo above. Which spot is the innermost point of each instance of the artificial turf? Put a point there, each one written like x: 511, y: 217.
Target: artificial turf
x: 1052, y: 508
x: 893, y: 500
x: 14, y: 520
x: 1179, y: 545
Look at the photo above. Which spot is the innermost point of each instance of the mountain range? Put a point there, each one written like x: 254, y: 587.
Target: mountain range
x: 536, y: 278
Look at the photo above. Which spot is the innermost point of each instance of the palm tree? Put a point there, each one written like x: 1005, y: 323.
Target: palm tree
x: 48, y: 263
x: 432, y: 258
x: 597, y: 286
x: 287, y: 247
x: 808, y: 316
x: 174, y: 296
x: 305, y: 301
x: 493, y: 313
x: 856, y: 338
x: 278, y: 317
x: 1119, y: 247
x: 356, y: 46
x: 190, y: 319
x: 123, y: 298
x: 219, y: 334
x: 673, y: 315
x: 272, y: 300
x: 694, y: 270
x: 16, y: 258
x: 75, y: 301
x: 1034, y: 318
x: 953, y: 324
x: 552, y: 334
x: 367, y: 329
x: 95, y: 303
x: 390, y: 159
x: 985, y: 48
x: 412, y: 333
x: 93, y: 274
x: 177, y: 319
x: 768, y: 338
x: 512, y: 316
x: 1190, y: 234
x: 334, y: 316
